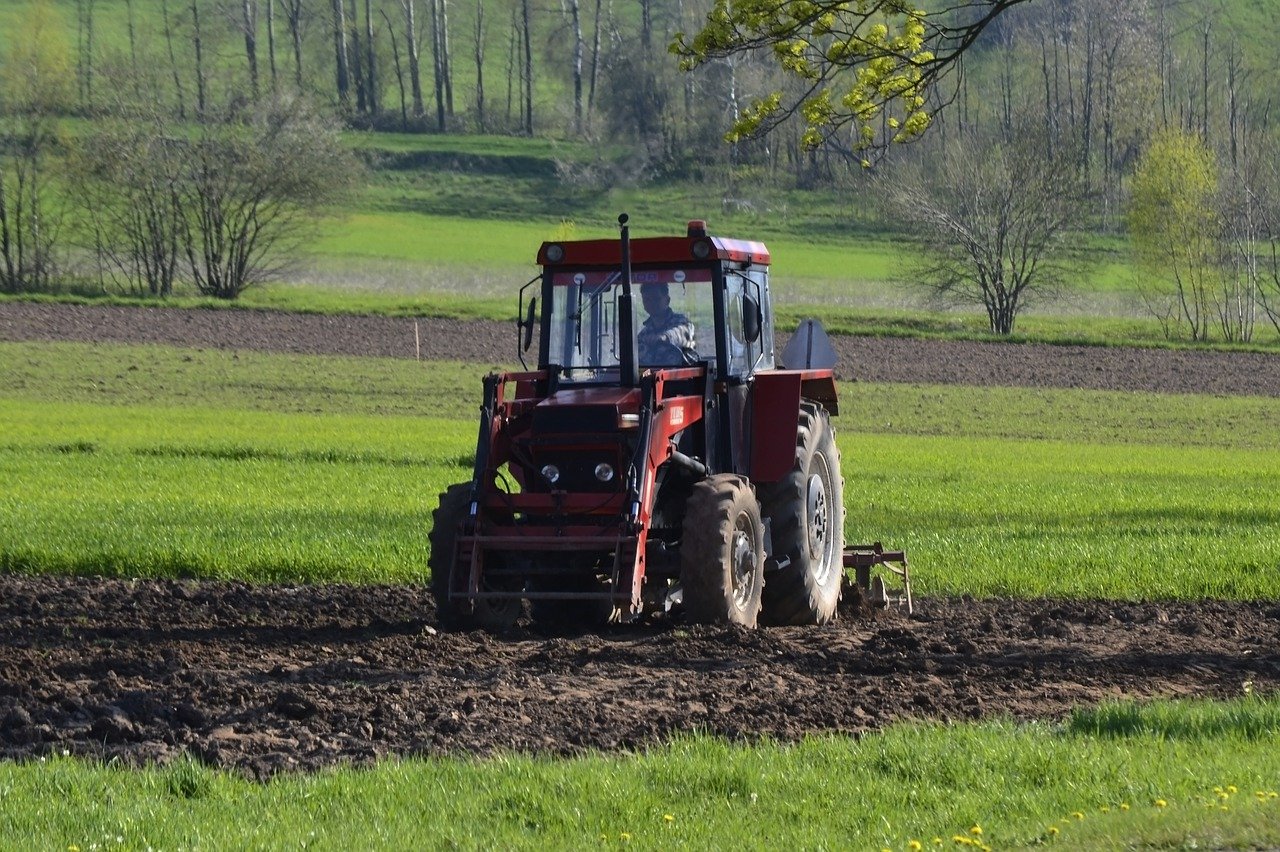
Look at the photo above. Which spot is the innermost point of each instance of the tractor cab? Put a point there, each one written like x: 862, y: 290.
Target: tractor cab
x: 716, y: 290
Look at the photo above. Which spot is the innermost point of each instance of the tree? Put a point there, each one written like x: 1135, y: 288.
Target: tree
x: 252, y: 186
x: 36, y: 86
x: 1176, y: 228
x: 130, y: 173
x: 992, y: 217
x: 868, y: 63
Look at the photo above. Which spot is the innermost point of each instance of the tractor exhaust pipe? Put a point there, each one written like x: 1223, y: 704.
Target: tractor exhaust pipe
x: 628, y: 359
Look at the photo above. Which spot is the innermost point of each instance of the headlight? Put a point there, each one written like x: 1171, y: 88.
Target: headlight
x: 551, y: 473
x: 702, y: 248
x: 604, y: 472
x: 555, y: 253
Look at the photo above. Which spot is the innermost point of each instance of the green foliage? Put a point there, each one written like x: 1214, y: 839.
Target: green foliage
x: 35, y: 63
x: 1017, y: 784
x: 1175, y: 227
x: 859, y: 62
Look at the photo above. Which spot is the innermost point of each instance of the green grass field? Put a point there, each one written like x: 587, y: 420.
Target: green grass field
x: 1181, y: 775
x: 138, y: 460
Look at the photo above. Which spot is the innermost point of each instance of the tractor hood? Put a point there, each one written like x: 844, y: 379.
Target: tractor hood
x: 599, y: 409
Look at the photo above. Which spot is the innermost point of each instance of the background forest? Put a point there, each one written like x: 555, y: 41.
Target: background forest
x: 150, y: 145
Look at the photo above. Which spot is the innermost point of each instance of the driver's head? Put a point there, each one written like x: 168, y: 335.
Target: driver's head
x: 656, y: 298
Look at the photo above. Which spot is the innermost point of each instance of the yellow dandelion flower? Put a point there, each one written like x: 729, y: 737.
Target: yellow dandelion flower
x: 1232, y: 789
x: 915, y: 846
x: 1053, y: 831
x: 669, y: 817
x: 1260, y: 795
x: 1077, y: 815
x: 1124, y: 806
x: 937, y: 841
x: 961, y: 839
x: 1160, y: 803
x: 624, y: 837
x: 977, y: 829
x: 1106, y: 809
x: 73, y: 848
x: 1223, y: 808
x: 1271, y: 795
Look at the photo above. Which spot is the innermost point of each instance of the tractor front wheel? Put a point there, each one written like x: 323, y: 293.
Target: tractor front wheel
x: 806, y: 523
x: 722, y: 552
x: 494, y: 616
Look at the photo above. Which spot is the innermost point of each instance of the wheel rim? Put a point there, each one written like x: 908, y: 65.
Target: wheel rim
x: 743, y: 561
x: 821, y: 536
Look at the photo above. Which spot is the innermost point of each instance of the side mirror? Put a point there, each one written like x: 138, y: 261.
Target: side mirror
x: 752, y: 321
x: 530, y: 319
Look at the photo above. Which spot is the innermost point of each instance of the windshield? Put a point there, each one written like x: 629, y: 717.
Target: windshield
x: 674, y: 319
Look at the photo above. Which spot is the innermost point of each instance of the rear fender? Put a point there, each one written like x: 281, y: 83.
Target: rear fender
x: 773, y: 417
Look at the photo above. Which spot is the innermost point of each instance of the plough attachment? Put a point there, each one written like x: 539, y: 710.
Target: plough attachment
x: 863, y: 557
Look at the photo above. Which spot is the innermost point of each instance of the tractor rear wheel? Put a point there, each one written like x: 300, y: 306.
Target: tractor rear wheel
x: 494, y: 616
x: 722, y: 552
x: 806, y: 518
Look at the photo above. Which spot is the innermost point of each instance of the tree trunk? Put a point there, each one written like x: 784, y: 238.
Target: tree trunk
x: 250, y: 22
x: 437, y: 60
x: 340, y: 53
x: 528, y: 68
x: 395, y: 56
x: 1204, y: 119
x: 576, y: 21
x: 512, y: 60
x: 595, y: 63
x: 357, y: 66
x: 371, y: 58
x: 446, y: 57
x: 133, y: 47
x: 199, y: 51
x: 173, y: 61
x: 413, y: 51
x: 293, y: 14
x: 271, y: 44
x: 479, y: 57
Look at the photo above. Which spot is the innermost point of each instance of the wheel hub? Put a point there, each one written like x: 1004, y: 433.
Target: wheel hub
x: 819, y: 517
x: 744, y: 567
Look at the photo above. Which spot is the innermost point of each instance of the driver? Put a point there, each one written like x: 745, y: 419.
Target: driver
x: 666, y: 336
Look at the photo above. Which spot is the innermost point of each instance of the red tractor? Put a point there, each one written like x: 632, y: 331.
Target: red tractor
x: 641, y: 468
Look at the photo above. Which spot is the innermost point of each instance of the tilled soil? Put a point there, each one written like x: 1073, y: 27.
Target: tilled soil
x: 272, y: 678
x: 264, y: 679
x: 494, y: 343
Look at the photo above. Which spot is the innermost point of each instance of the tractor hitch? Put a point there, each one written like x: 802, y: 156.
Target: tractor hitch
x: 863, y: 557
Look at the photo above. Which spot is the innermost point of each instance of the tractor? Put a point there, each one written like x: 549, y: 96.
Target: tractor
x: 642, y: 470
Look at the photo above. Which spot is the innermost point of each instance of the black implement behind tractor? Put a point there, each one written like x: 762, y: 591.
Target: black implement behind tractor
x: 645, y: 467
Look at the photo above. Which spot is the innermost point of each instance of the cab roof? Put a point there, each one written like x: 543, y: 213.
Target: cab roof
x: 646, y: 250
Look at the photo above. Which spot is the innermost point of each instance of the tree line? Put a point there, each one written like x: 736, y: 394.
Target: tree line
x: 1047, y: 120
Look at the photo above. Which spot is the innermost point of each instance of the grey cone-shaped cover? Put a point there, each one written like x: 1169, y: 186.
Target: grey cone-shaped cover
x: 809, y: 349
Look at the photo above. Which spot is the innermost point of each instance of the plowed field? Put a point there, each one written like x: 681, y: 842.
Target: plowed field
x: 270, y: 678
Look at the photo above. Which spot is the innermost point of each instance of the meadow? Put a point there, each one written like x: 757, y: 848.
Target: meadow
x: 1109, y: 777
x: 143, y: 461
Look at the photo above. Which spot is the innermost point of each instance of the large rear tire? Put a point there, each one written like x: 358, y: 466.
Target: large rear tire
x: 806, y: 524
x: 722, y: 552
x: 493, y: 616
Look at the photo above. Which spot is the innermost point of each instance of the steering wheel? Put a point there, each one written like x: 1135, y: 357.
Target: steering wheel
x: 667, y: 354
